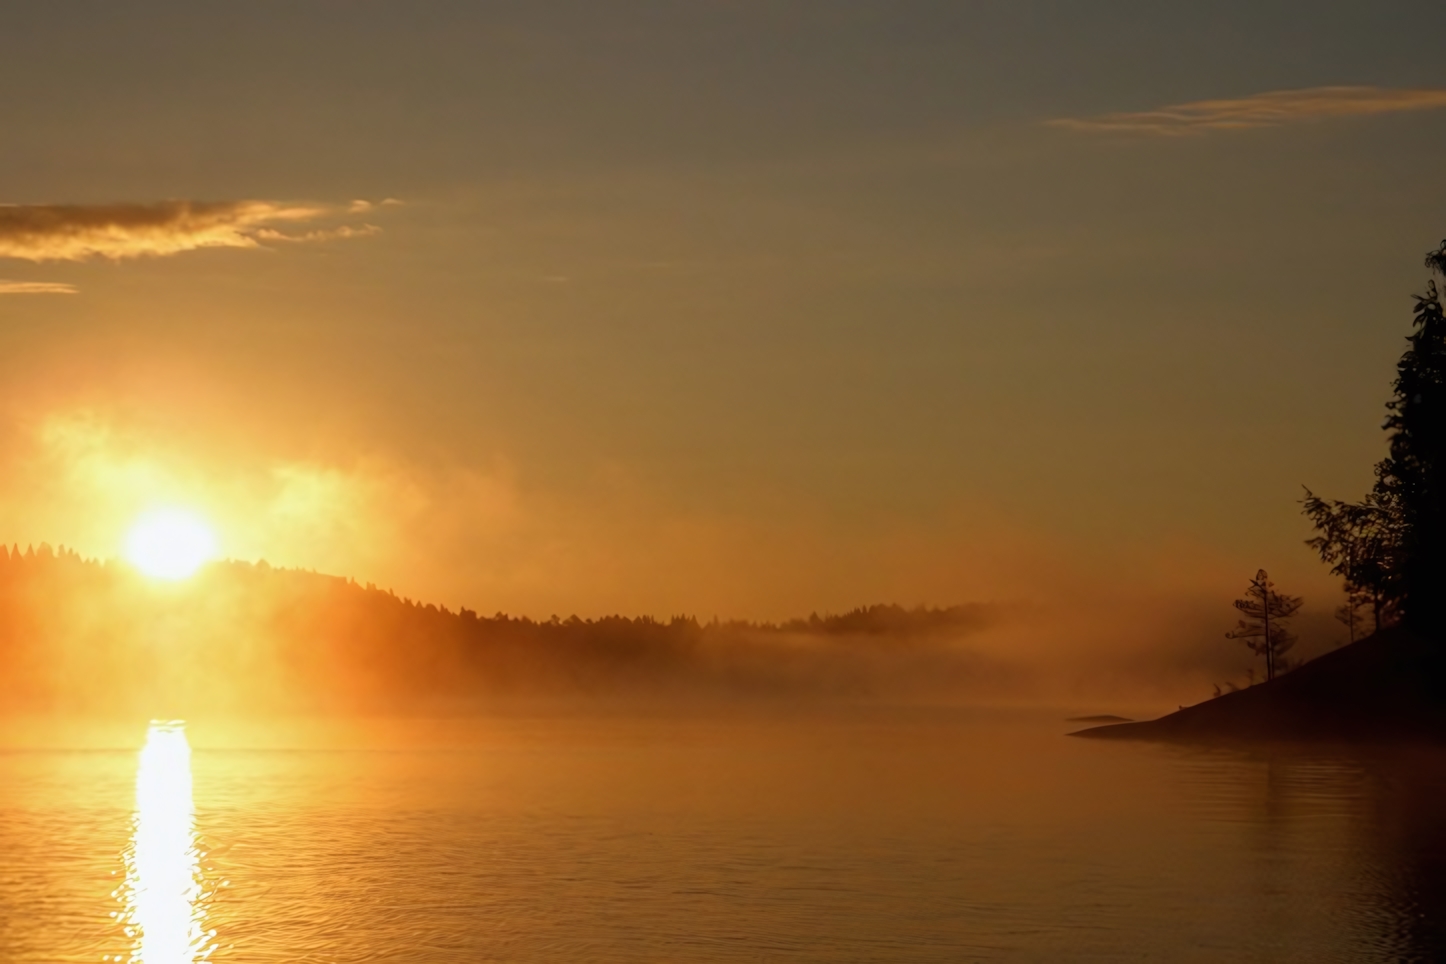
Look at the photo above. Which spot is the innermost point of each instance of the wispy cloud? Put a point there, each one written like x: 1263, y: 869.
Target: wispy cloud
x: 1269, y: 109
x: 361, y: 206
x: 35, y: 288
x: 76, y: 232
x: 321, y: 234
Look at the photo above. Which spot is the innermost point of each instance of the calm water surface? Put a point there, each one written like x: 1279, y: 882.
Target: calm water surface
x: 877, y: 837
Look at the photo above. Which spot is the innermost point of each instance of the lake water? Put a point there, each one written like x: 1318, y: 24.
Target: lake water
x: 868, y: 836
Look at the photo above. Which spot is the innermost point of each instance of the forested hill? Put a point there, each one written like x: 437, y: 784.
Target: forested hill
x: 81, y: 635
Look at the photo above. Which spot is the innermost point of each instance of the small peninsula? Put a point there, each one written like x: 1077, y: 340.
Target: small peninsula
x: 1390, y: 686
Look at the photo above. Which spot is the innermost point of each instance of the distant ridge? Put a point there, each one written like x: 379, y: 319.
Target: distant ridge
x: 1390, y: 686
x: 84, y: 636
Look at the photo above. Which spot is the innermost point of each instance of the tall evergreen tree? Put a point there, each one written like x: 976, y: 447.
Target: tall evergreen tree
x: 1392, y: 545
x: 1415, y: 472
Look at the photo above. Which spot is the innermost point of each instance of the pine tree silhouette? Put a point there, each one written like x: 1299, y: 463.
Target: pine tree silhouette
x: 1264, y: 626
x: 1414, y: 471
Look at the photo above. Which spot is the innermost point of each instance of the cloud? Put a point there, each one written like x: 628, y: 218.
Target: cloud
x: 35, y: 288
x: 324, y: 234
x: 1269, y: 109
x: 76, y: 232
x: 362, y: 206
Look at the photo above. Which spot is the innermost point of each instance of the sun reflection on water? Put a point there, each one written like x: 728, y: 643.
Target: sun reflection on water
x: 164, y: 914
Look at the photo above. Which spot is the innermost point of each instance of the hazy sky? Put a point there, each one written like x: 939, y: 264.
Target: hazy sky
x: 720, y: 307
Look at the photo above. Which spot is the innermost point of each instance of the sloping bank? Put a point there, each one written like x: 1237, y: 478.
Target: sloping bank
x: 1389, y: 686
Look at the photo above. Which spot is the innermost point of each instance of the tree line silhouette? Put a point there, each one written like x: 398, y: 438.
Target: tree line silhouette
x: 77, y: 633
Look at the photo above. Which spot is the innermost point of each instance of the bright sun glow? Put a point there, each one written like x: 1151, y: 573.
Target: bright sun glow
x: 170, y: 543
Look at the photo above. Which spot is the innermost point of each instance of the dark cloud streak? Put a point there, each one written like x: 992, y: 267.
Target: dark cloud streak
x: 1269, y: 109
x: 78, y: 232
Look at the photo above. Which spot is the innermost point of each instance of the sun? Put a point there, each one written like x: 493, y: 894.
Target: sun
x: 170, y: 543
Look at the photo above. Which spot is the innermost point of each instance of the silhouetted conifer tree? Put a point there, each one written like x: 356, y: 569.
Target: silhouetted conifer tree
x: 1391, y: 546
x: 1362, y: 542
x: 1415, y: 472
x: 1264, y: 627
x: 1350, y: 613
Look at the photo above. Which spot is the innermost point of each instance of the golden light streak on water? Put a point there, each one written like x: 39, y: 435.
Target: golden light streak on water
x: 164, y: 913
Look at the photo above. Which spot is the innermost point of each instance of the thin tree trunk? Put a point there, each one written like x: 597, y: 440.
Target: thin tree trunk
x: 1350, y: 595
x: 1269, y: 643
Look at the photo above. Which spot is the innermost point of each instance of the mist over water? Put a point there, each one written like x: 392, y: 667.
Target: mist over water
x: 83, y: 637
x: 879, y: 835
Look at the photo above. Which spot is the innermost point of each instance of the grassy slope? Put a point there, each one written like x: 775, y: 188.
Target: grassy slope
x: 1389, y: 686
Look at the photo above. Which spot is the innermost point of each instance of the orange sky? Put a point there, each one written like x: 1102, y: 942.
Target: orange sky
x: 714, y: 309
